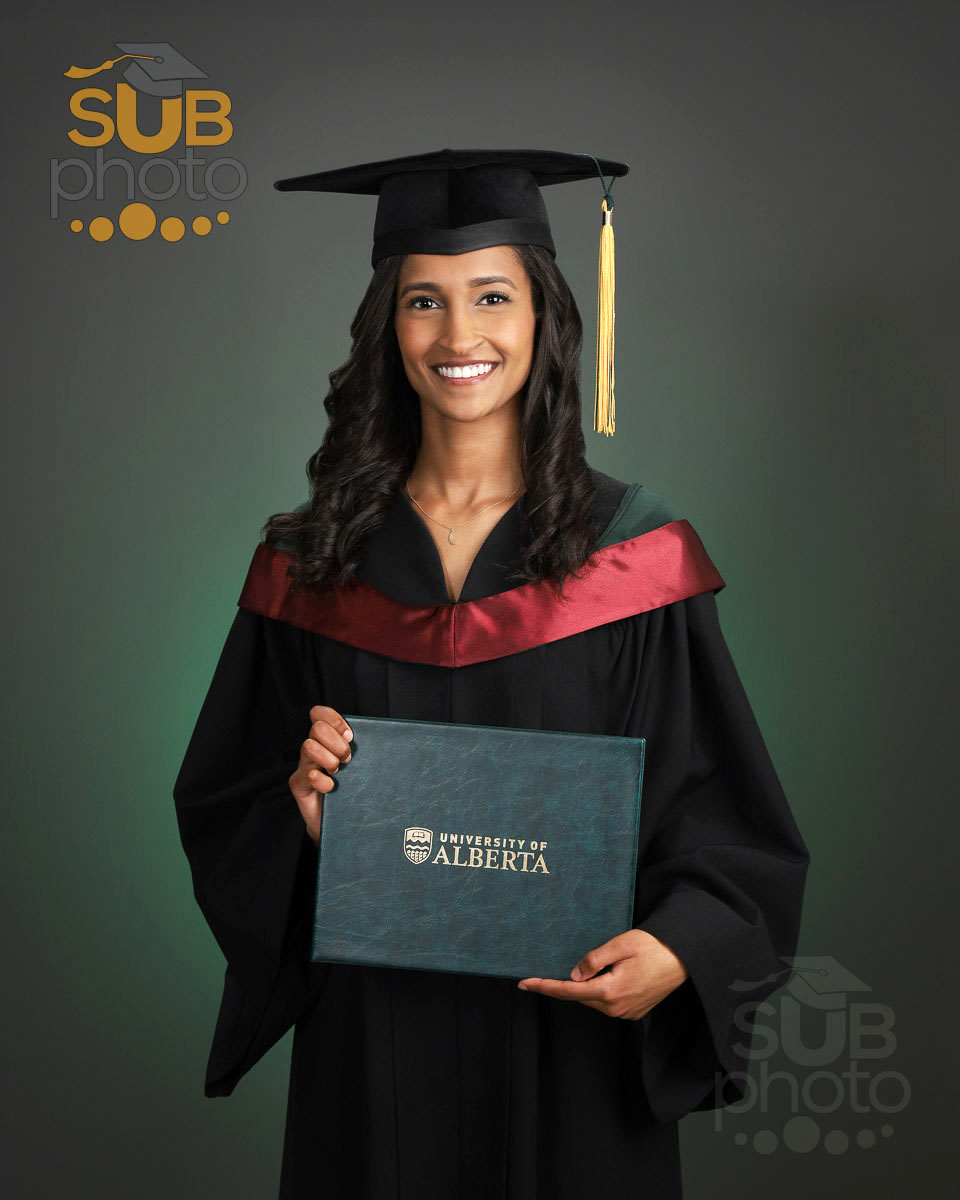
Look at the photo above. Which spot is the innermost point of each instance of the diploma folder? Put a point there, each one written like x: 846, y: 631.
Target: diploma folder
x: 478, y: 849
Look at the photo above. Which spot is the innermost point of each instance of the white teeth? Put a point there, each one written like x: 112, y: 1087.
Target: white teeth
x: 466, y: 372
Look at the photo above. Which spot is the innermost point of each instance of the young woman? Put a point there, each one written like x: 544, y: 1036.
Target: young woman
x: 453, y: 471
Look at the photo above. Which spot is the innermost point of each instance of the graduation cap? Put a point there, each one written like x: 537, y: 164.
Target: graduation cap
x: 820, y: 981
x: 159, y: 69
x: 454, y: 201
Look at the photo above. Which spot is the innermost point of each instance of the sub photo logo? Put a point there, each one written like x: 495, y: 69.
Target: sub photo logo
x: 150, y: 139
x: 827, y: 1079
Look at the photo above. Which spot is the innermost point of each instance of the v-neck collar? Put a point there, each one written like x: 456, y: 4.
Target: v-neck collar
x: 401, y: 559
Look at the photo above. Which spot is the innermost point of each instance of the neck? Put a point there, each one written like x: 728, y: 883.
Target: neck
x: 465, y: 466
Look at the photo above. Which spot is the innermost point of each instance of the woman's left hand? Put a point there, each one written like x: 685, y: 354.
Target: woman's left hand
x: 643, y: 972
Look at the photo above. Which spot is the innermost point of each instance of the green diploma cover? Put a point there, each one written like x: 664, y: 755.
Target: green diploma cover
x: 479, y: 849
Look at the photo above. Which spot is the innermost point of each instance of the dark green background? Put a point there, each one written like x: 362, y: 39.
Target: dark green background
x: 787, y: 308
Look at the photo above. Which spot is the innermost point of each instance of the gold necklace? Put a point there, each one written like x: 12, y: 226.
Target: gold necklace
x: 451, y: 528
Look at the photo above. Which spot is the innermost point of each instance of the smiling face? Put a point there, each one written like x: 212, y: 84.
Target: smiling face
x: 471, y: 315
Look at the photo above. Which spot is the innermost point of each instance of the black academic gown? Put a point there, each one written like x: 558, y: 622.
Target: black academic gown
x: 439, y: 1085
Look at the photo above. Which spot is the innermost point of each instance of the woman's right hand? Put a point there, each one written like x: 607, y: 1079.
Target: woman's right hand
x: 326, y: 747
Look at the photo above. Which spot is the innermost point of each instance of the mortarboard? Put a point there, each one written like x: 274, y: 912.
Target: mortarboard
x: 159, y: 69
x: 453, y: 201
x: 819, y: 981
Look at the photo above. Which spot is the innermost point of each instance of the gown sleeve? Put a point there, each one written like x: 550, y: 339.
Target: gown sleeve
x: 252, y: 862
x: 721, y: 864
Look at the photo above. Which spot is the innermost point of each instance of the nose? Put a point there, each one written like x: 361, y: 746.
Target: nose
x: 458, y: 335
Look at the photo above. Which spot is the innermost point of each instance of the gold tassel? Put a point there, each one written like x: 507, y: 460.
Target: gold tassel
x: 604, y: 406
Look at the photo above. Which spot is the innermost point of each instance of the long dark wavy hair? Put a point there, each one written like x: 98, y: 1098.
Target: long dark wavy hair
x: 371, y: 442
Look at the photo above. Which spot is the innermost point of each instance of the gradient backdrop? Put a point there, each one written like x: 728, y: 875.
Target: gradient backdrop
x: 787, y: 310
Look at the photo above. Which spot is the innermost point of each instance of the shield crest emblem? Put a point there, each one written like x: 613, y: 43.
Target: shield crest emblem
x: 417, y: 843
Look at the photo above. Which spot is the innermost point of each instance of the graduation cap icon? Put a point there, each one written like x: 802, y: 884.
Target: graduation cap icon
x: 818, y: 981
x: 157, y: 68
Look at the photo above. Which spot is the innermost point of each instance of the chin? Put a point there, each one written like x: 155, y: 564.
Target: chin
x: 467, y: 410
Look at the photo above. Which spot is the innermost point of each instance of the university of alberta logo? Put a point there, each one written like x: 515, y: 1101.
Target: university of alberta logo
x: 417, y: 843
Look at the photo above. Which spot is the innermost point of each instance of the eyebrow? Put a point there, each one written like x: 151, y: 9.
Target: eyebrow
x: 482, y: 281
